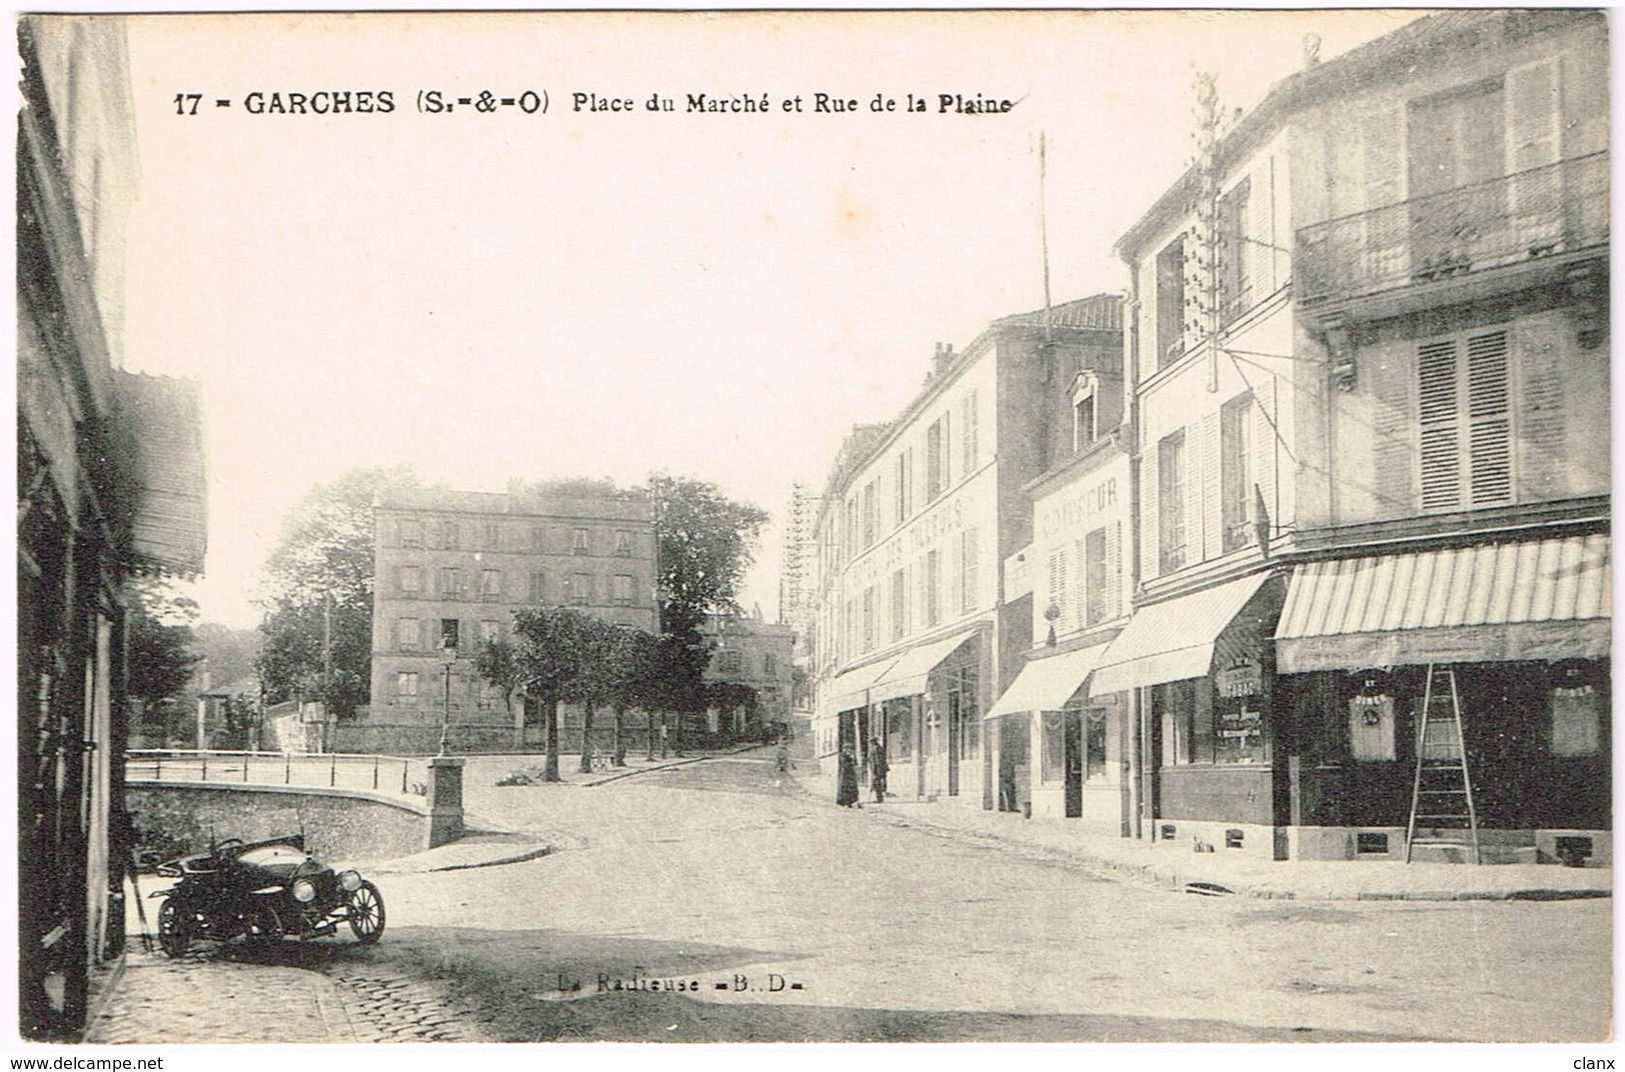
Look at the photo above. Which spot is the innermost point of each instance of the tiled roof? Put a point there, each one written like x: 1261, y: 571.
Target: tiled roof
x: 1101, y: 312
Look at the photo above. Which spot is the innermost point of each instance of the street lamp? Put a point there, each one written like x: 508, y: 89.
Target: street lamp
x: 448, y: 655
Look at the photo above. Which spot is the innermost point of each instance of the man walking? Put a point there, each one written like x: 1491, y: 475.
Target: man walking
x: 878, y: 768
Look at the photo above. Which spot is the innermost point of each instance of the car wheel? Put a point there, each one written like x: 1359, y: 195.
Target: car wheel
x: 174, y: 929
x: 366, y: 912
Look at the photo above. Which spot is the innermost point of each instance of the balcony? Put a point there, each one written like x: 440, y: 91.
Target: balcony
x: 1522, y: 227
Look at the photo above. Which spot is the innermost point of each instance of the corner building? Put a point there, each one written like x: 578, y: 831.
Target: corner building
x: 913, y: 638
x: 452, y: 568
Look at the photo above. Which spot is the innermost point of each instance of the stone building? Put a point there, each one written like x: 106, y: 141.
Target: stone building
x: 453, y: 567
x: 756, y: 656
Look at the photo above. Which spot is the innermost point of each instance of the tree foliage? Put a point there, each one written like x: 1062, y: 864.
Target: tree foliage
x: 161, y: 652
x: 317, y: 592
x: 707, y: 543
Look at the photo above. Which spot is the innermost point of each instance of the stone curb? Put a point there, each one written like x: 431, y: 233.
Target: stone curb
x: 1164, y: 876
x: 685, y: 761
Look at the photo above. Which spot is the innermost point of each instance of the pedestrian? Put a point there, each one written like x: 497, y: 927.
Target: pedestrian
x: 846, y: 793
x: 878, y: 768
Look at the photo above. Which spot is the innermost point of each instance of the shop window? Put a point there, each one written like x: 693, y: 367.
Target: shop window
x: 1239, y: 713
x: 1175, y: 706
x: 899, y: 718
x: 1052, y: 751
x: 1094, y: 754
x: 1576, y: 721
x: 1371, y: 727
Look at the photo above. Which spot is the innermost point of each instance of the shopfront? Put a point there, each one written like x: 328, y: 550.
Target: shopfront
x: 1198, y: 670
x: 926, y: 705
x: 1519, y: 634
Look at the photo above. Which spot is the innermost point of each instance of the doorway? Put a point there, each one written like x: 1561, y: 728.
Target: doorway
x: 1072, y: 762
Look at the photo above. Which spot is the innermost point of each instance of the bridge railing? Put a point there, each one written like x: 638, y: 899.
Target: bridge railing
x: 398, y: 775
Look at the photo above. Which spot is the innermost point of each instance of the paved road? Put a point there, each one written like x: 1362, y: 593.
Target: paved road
x: 841, y: 926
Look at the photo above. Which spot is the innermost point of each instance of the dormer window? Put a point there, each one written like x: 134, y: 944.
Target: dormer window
x: 1085, y: 410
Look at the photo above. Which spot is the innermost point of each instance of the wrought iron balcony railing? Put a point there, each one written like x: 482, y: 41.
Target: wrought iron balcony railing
x: 1543, y: 212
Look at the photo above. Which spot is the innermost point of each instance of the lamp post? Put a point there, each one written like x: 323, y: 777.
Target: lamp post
x: 448, y: 656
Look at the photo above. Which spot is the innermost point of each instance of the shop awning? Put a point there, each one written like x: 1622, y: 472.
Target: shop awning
x: 162, y: 426
x: 907, y: 675
x: 851, y: 689
x: 1172, y: 640
x: 1538, y: 599
x: 1047, y: 684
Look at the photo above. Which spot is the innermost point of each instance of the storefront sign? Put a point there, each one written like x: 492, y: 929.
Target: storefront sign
x: 1245, y: 677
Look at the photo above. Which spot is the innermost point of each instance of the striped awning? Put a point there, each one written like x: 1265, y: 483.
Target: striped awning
x: 1538, y: 599
x: 908, y: 674
x: 1176, y: 639
x: 1047, y: 684
x: 851, y: 689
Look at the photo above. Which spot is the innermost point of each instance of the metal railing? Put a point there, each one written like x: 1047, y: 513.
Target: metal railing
x: 403, y: 776
x: 1542, y: 212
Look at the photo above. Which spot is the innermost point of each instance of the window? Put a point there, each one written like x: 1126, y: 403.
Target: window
x: 1457, y: 144
x: 1052, y: 746
x: 580, y: 588
x: 492, y: 536
x: 538, y: 587
x: 448, y: 535
x: 1097, y: 589
x: 451, y: 583
x: 1235, y: 285
x: 967, y: 433
x: 490, y: 630
x: 406, y: 685
x: 969, y: 577
x: 770, y: 665
x: 933, y: 585
x: 899, y: 605
x: 411, y: 581
x: 578, y: 542
x: 1084, y: 418
x: 870, y: 514
x: 868, y: 618
x: 623, y: 589
x: 411, y: 533
x: 408, y: 634
x: 936, y: 458
x: 1171, y: 501
x: 1171, y: 303
x: 1094, y: 745
x: 450, y: 635
x: 1576, y: 721
x: 1236, y: 471
x: 1184, y: 714
x: 538, y: 539
x: 490, y: 584
x: 730, y: 661
x: 623, y: 542
x: 905, y: 484
x: 1466, y: 427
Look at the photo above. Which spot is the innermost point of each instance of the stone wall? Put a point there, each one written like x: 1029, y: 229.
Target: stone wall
x: 175, y: 818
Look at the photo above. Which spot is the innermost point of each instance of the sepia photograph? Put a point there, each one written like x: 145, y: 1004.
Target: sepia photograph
x: 832, y: 527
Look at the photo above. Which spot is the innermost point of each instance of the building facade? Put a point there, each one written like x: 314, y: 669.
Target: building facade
x: 454, y: 567
x: 109, y: 484
x: 1369, y: 348
x: 913, y: 639
x: 757, y: 657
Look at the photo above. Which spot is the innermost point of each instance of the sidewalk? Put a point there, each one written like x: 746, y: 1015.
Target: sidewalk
x: 1173, y: 866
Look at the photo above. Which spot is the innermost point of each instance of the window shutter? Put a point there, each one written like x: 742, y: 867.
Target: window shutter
x: 1438, y: 413
x: 1150, y: 524
x: 1208, y: 509
x: 1542, y: 473
x: 1112, y: 600
x: 1534, y: 141
x: 1265, y: 447
x: 1080, y: 585
x: 1488, y: 410
x: 1393, y: 450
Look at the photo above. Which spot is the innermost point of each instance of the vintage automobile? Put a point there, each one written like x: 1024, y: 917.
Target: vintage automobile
x: 262, y: 891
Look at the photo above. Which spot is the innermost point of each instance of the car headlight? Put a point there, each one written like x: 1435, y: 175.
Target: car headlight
x: 350, y: 880
x: 304, y: 890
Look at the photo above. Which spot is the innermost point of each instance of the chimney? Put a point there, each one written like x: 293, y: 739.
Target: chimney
x: 942, y: 359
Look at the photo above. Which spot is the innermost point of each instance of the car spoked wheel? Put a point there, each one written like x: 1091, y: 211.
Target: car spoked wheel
x: 366, y: 912
x: 174, y: 930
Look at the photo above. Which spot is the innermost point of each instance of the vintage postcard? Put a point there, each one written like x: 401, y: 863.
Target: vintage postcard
x: 1066, y: 526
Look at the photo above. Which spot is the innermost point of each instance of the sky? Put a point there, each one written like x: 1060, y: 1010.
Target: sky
x: 603, y: 292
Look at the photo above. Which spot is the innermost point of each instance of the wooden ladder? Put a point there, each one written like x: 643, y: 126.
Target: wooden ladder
x: 1442, y: 791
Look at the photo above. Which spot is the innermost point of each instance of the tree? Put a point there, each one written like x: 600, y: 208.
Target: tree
x: 160, y: 651
x: 550, y: 647
x: 707, y: 543
x: 497, y: 664
x: 318, y: 585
